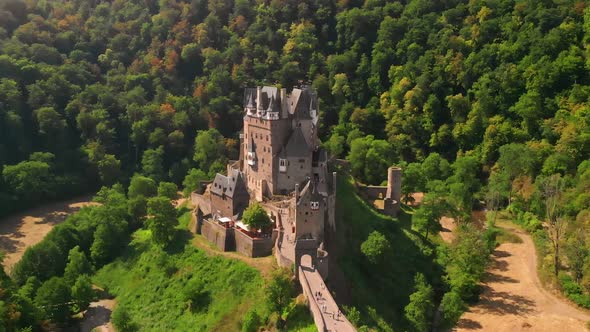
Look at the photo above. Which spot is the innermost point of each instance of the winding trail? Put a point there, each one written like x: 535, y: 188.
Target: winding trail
x: 513, y: 298
x: 25, y: 229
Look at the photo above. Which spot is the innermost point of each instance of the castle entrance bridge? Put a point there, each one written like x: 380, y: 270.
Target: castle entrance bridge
x: 323, y: 307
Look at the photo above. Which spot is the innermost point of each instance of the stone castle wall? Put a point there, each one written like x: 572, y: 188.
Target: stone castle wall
x: 222, y: 237
x: 258, y: 247
x: 374, y: 192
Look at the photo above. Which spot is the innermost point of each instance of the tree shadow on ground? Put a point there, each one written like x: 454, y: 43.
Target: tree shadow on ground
x: 501, y: 253
x: 503, y: 303
x: 182, y: 237
x: 468, y: 324
x: 8, y: 245
x: 493, y: 277
x: 95, y: 317
x: 499, y: 265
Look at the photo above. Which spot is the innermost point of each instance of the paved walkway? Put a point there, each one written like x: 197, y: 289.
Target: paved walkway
x: 324, y: 308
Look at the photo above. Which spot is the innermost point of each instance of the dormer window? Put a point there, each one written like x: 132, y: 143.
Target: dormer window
x: 282, y: 165
x: 314, y: 205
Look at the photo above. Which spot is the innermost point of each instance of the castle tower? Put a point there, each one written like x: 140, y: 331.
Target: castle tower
x: 394, y: 183
x: 279, y: 138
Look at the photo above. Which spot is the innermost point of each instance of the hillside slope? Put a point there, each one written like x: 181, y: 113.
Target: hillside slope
x: 379, y: 291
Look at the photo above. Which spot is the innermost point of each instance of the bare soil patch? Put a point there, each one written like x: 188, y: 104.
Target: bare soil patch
x: 513, y: 298
x: 22, y: 230
x: 448, y: 227
x: 97, y: 317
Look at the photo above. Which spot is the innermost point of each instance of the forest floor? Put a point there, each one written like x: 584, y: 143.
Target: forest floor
x: 22, y: 230
x: 513, y: 298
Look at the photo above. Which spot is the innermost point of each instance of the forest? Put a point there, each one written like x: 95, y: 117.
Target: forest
x: 482, y: 103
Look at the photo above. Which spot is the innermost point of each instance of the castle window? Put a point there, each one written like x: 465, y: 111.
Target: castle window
x: 315, y: 205
x: 267, y: 138
x: 282, y: 165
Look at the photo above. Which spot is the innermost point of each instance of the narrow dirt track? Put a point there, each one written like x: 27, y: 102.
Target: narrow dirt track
x: 514, y: 299
x: 22, y: 230
x: 97, y: 317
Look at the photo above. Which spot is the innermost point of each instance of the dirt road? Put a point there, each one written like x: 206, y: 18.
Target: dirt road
x: 97, y: 317
x: 22, y: 230
x: 514, y: 299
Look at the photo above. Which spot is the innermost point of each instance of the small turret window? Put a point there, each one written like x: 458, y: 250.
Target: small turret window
x: 315, y: 205
x: 282, y: 165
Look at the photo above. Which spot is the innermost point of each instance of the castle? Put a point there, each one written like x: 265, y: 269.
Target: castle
x: 283, y: 167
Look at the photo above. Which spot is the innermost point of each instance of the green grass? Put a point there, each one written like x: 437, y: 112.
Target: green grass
x: 506, y: 236
x: 152, y: 285
x: 380, y: 291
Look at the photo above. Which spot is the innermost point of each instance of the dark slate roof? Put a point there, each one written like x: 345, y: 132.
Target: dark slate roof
x: 320, y: 156
x: 269, y: 96
x: 250, y: 97
x: 297, y: 145
x: 250, y: 101
x: 311, y: 189
x: 226, y: 184
x: 300, y: 102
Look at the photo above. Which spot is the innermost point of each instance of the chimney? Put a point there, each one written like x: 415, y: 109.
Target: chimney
x: 296, y: 192
x: 334, y: 181
x: 258, y: 100
x: 284, y: 105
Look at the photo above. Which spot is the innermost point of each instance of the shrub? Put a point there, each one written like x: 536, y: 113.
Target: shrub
x: 375, y: 247
x: 279, y: 291
x: 452, y: 307
x: 251, y: 321
x: 122, y: 320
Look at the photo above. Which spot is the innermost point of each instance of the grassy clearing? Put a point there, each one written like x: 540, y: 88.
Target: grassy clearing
x: 191, y: 286
x: 395, y: 275
x: 507, y: 236
x: 183, y: 288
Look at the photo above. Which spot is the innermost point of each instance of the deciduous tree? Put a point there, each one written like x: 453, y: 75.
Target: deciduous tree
x: 161, y: 220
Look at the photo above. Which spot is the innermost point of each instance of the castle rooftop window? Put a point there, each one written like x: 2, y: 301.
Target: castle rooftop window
x: 315, y: 205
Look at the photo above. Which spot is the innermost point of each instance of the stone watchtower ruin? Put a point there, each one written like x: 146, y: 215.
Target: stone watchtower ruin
x: 394, y: 191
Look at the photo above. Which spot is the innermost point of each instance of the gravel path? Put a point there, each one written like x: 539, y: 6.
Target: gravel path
x: 514, y: 299
x: 22, y: 230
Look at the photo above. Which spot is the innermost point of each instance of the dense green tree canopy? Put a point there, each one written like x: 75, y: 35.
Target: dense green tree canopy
x: 162, y: 219
x: 473, y: 97
x: 255, y: 217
